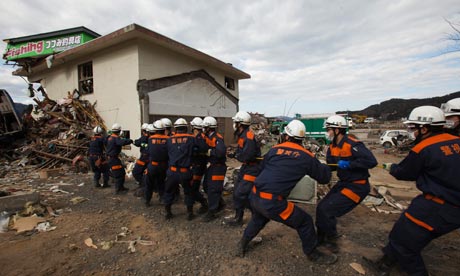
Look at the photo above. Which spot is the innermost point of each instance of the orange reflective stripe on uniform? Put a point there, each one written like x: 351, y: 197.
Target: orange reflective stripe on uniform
x: 265, y: 195
x: 249, y: 178
x: 418, y: 222
x: 174, y: 169
x: 362, y: 181
x: 140, y: 162
x: 197, y: 177
x: 218, y: 177
x: 154, y: 163
x: 435, y: 199
x: 240, y: 142
x: 433, y: 140
x: 344, y: 151
x: 288, y: 211
x: 117, y: 167
x: 250, y: 135
x: 350, y: 194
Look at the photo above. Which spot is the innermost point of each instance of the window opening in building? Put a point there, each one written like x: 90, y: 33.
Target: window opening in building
x: 85, y: 78
x: 229, y: 83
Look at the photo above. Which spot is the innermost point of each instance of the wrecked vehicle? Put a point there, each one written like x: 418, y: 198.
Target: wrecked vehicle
x: 10, y: 121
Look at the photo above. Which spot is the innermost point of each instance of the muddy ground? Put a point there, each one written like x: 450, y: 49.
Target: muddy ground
x: 181, y: 247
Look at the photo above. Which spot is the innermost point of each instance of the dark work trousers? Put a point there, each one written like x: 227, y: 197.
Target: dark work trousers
x: 340, y: 200
x: 198, y: 171
x: 284, y: 212
x: 214, y: 184
x: 155, y: 180
x: 182, y: 176
x: 103, y: 169
x: 117, y: 171
x: 423, y: 221
x: 139, y: 168
x: 243, y: 187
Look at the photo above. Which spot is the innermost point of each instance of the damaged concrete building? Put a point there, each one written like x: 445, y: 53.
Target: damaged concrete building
x: 135, y: 75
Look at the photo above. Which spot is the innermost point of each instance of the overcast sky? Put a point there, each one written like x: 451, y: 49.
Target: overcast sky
x: 303, y: 56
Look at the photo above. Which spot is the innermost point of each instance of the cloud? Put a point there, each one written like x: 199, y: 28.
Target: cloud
x: 303, y: 56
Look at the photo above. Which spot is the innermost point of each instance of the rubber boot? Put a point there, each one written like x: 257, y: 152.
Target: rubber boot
x: 238, y: 220
x: 328, y: 242
x: 319, y: 257
x: 190, y: 214
x: 106, y: 184
x: 221, y: 205
x: 382, y: 266
x: 168, y: 214
x: 242, y: 247
x: 210, y: 216
x: 204, y: 207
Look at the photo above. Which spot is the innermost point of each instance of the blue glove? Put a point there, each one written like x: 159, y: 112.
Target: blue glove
x: 343, y: 164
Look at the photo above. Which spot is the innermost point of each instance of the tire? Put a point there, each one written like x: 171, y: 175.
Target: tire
x: 321, y: 141
x: 387, y: 145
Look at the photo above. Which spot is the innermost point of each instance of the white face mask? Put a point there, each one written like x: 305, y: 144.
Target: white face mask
x: 234, y: 126
x: 450, y: 124
x: 330, y: 135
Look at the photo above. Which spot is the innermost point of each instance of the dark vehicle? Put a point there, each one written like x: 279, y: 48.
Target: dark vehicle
x: 11, y: 126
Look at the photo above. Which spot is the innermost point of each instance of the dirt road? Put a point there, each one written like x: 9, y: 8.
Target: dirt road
x: 181, y: 247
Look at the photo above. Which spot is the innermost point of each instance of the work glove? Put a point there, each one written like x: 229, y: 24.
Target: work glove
x: 231, y: 155
x: 343, y: 164
x: 387, y: 166
x: 208, y: 153
x: 130, y: 141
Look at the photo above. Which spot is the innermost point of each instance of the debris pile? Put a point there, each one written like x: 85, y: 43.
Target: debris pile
x: 56, y: 133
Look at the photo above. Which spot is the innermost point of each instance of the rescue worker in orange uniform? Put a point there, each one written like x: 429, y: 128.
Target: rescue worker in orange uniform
x: 95, y: 153
x: 433, y: 163
x: 114, y: 145
x: 180, y: 149
x: 157, y: 163
x: 452, y: 112
x: 247, y: 152
x: 352, y: 160
x: 282, y: 168
x: 199, y: 162
x: 142, y: 161
x: 215, y: 175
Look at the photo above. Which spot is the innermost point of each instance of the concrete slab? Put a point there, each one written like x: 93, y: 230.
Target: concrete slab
x: 17, y: 201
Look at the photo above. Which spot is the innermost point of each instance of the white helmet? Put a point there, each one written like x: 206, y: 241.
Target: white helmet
x: 452, y: 107
x: 158, y: 125
x: 295, y: 129
x: 209, y: 122
x: 116, y: 127
x: 181, y: 122
x: 197, y: 123
x: 97, y: 130
x: 426, y: 115
x: 242, y: 117
x: 166, y: 122
x: 335, y: 121
x: 150, y: 128
x: 144, y: 126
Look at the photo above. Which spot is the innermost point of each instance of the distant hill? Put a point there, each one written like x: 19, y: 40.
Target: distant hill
x: 395, y: 109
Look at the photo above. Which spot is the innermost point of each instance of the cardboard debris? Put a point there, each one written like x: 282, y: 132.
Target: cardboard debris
x: 359, y: 268
x: 23, y: 224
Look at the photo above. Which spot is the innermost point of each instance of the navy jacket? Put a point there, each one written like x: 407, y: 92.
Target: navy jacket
x: 96, y: 145
x: 434, y: 163
x: 285, y: 164
x: 142, y: 143
x: 200, y: 149
x: 180, y: 149
x: 157, y: 148
x: 247, y: 150
x: 218, y: 149
x: 361, y: 159
x: 114, y: 145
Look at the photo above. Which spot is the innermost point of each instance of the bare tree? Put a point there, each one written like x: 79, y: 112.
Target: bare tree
x: 454, y: 37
